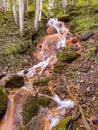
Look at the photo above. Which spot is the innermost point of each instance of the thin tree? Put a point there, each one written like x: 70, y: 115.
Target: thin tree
x: 14, y: 12
x: 21, y: 16
x: 64, y: 5
x: 38, y: 12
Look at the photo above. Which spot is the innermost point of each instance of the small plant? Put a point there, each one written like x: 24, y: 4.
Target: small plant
x: 62, y: 125
x: 42, y: 82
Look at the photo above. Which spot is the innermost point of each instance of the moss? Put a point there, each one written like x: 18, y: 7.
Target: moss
x: 67, y: 54
x: 30, y: 109
x: 14, y: 81
x: 92, y: 52
x: 3, y: 100
x: 45, y: 90
x: 58, y: 68
x: 44, y: 101
x: 12, y: 49
x: 42, y: 82
x: 62, y: 125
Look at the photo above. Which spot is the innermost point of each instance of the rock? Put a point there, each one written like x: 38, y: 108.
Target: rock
x: 86, y: 35
x: 12, y: 81
x: 37, y: 123
x: 2, y: 75
x: 3, y: 101
x: 30, y: 109
x: 67, y: 54
x: 61, y: 91
x: 19, y: 102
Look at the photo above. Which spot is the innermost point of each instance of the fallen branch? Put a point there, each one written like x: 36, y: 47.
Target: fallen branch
x: 85, y: 123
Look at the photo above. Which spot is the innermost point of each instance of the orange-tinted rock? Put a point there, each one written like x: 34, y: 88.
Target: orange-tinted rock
x: 51, y: 30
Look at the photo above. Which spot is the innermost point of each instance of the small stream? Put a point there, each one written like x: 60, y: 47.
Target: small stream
x: 46, y: 54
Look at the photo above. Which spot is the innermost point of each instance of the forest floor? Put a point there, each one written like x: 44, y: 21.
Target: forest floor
x: 16, y: 54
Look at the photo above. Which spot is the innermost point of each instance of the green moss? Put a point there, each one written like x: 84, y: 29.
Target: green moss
x: 42, y: 82
x: 30, y: 109
x: 44, y: 101
x: 58, y: 68
x: 14, y: 81
x: 92, y: 52
x: 62, y: 125
x: 3, y: 100
x: 67, y: 54
x: 12, y: 49
x: 45, y: 90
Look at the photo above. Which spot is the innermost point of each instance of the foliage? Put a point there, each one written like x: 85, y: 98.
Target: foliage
x: 3, y: 100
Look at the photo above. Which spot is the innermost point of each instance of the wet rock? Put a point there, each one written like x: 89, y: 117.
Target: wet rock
x: 86, y: 35
x: 12, y: 81
x: 19, y: 103
x: 36, y: 123
x: 30, y: 109
x: 3, y: 101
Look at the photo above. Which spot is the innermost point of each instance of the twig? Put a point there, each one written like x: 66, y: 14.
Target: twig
x: 85, y: 123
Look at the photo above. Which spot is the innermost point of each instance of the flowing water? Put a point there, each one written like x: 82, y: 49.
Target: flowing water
x: 46, y: 54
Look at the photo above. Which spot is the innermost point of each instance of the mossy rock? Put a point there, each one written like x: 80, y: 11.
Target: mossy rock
x: 44, y: 101
x: 67, y: 54
x: 12, y: 81
x: 30, y: 109
x: 45, y: 90
x: 59, y: 67
x: 62, y: 125
x: 3, y: 100
x: 42, y: 81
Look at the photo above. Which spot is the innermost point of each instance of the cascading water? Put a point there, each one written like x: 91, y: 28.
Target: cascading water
x: 46, y: 54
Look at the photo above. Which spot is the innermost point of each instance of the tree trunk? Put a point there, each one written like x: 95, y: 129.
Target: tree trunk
x: 1, y: 5
x: 37, y: 14
x: 15, y: 12
x: 64, y: 5
x: 21, y: 17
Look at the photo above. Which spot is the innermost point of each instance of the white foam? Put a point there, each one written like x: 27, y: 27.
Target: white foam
x: 63, y: 103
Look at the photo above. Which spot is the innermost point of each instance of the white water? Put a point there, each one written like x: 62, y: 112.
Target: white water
x: 60, y: 110
x: 59, y: 26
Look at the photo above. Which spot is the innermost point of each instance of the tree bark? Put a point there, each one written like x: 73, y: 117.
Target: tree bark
x: 64, y: 5
x: 14, y: 12
x: 21, y: 17
x: 37, y: 14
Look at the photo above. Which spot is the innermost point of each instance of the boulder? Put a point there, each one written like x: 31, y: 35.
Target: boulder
x: 36, y: 123
x: 86, y: 35
x: 12, y: 81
